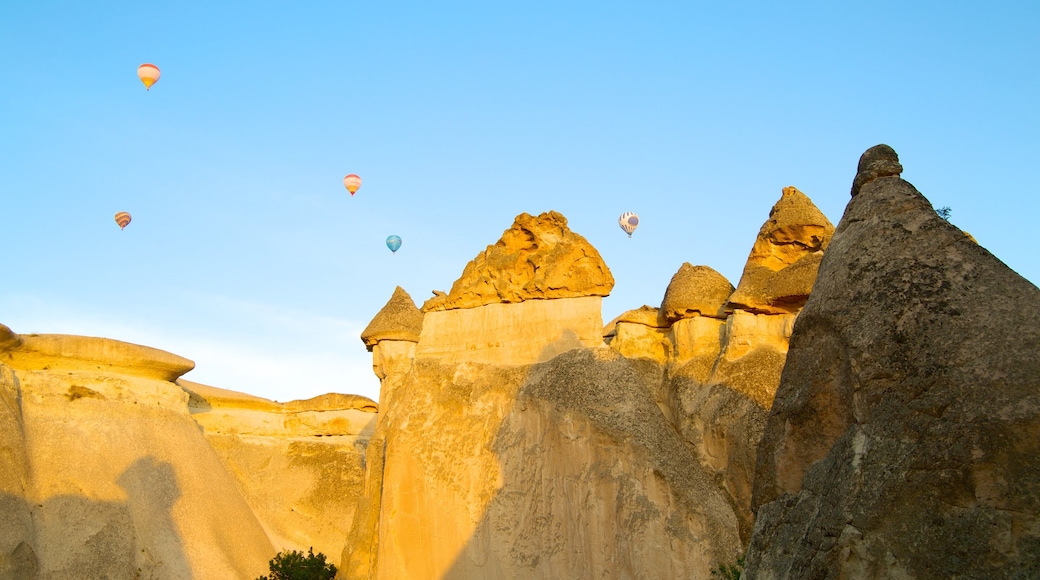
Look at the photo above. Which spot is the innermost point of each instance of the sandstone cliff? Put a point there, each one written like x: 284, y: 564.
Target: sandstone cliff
x: 109, y: 469
x: 513, y: 443
x: 904, y: 441
x: 118, y: 481
x: 298, y: 465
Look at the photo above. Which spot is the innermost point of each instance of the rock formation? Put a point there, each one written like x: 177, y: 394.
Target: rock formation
x: 399, y: 319
x: 299, y: 465
x: 120, y: 482
x: 514, y: 443
x: 695, y: 291
x: 534, y: 294
x: 783, y: 262
x: 537, y: 258
x: 722, y: 350
x: 904, y: 440
x: 109, y: 469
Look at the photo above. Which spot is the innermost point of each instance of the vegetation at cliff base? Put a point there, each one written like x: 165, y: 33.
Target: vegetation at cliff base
x: 295, y: 565
x: 729, y: 571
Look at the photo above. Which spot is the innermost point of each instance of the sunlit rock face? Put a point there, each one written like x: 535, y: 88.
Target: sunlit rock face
x: 516, y: 444
x: 17, y: 538
x: 539, y: 257
x: 512, y: 334
x: 560, y: 469
x: 299, y: 465
x: 120, y: 483
x: 532, y: 295
x: 783, y: 262
x: 904, y: 440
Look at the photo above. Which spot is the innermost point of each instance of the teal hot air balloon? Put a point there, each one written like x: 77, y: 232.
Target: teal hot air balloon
x: 394, y: 243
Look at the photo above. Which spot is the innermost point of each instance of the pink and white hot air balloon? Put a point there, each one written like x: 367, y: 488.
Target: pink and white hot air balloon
x: 149, y: 74
x: 352, y: 182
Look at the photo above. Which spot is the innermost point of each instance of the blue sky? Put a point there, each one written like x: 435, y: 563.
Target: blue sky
x: 246, y: 254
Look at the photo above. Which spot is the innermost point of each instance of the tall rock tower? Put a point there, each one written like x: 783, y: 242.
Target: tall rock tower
x: 904, y: 440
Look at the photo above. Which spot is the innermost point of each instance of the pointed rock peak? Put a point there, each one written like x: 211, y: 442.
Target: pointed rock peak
x: 795, y: 227
x: 796, y: 233
x: 695, y: 291
x: 539, y: 257
x: 400, y: 319
x: 878, y: 161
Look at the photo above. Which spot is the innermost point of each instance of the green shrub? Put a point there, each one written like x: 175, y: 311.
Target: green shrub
x: 729, y: 572
x: 295, y: 566
x: 944, y: 212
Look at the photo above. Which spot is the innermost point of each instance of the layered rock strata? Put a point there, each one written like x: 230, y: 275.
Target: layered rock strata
x: 904, y: 441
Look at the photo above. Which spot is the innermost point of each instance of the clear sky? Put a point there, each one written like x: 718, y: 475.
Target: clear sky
x: 248, y: 256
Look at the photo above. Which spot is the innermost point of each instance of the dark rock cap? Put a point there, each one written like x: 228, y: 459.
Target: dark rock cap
x: 878, y: 161
x: 400, y: 319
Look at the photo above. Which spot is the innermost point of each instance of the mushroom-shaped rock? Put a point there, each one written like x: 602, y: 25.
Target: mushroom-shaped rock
x: 782, y: 265
x: 61, y: 352
x: 400, y: 319
x: 878, y: 161
x: 695, y: 291
x: 539, y: 257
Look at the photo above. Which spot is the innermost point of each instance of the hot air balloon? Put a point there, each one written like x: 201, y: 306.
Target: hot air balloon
x: 149, y: 74
x: 352, y: 182
x: 394, y: 243
x: 122, y: 218
x: 628, y: 222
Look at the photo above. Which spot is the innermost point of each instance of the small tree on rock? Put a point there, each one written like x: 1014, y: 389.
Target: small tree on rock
x: 295, y: 565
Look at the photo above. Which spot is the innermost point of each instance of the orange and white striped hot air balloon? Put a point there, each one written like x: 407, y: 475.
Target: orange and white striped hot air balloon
x: 122, y: 218
x: 352, y: 182
x: 149, y: 74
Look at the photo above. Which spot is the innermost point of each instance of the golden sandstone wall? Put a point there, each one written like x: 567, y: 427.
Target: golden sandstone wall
x: 110, y: 469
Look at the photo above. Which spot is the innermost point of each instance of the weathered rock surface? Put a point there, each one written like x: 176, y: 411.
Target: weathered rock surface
x: 299, y: 465
x: 121, y: 483
x: 108, y: 469
x: 783, y: 262
x: 512, y: 334
x: 537, y: 258
x: 562, y: 469
x: 695, y: 291
x: 17, y: 536
x: 904, y: 440
x: 399, y: 319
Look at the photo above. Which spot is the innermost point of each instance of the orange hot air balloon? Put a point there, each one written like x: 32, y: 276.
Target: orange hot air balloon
x: 122, y: 218
x: 149, y: 74
x: 352, y: 182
